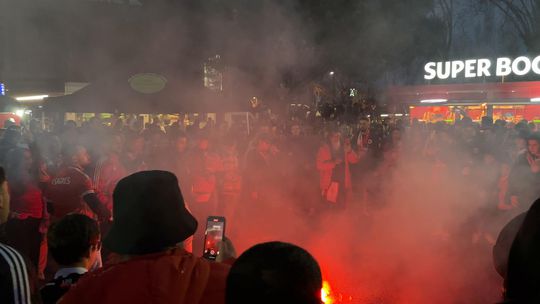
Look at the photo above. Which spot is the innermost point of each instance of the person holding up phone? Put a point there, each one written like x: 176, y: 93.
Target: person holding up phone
x: 524, y: 179
x: 333, y: 162
x: 150, y: 224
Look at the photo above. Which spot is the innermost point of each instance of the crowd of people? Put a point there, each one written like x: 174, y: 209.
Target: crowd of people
x: 62, y: 190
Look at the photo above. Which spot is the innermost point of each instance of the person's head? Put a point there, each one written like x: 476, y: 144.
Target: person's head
x: 12, y: 136
x: 533, y: 144
x: 19, y: 162
x: 229, y: 144
x: 203, y: 140
x: 70, y: 125
x: 76, y: 155
x: 395, y: 135
x: 114, y: 144
x: 265, y: 128
x: 181, y: 142
x: 263, y: 143
x: 223, y: 127
x: 136, y: 144
x: 486, y: 122
x: 501, y: 123
x: 75, y: 240
x: 149, y: 214
x: 520, y: 141
x: 295, y: 130
x: 522, y: 127
x: 468, y: 132
x: 274, y: 272
x: 50, y: 146
x: 489, y: 157
x: 335, y: 138
x: 203, y: 143
x: 363, y: 124
x: 9, y: 123
x: 119, y: 124
x: 95, y: 122
x: 35, y: 126
x: 155, y: 136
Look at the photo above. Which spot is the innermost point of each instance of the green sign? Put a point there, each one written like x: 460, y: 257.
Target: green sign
x: 147, y: 83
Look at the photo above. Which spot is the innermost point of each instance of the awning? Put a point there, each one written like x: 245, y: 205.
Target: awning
x: 146, y: 93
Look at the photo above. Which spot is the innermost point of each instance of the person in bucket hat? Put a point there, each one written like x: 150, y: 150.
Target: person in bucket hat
x: 149, y: 214
x: 150, y: 223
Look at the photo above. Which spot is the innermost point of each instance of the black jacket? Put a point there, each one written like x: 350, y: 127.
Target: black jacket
x: 523, y: 183
x: 54, y: 290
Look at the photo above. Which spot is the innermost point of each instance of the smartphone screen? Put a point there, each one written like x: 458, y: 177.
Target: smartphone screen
x: 214, y: 233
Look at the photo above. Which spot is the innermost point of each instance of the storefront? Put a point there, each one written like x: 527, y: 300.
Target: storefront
x: 510, y: 101
x: 144, y: 98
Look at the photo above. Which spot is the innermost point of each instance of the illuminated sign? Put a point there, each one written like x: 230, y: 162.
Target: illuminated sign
x: 147, y: 83
x: 474, y: 68
x: 2, y: 89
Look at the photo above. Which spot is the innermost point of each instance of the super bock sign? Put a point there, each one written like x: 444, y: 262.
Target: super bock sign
x: 473, y: 68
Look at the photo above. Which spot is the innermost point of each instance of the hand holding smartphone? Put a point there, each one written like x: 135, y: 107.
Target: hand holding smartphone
x: 214, y: 234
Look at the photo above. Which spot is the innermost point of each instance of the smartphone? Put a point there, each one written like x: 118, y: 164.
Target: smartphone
x: 213, y: 235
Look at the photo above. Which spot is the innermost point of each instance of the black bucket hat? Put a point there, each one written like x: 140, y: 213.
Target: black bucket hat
x: 149, y: 214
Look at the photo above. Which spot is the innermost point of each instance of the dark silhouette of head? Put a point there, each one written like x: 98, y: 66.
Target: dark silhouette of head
x: 522, y: 280
x: 76, y: 155
x: 275, y: 272
x: 75, y: 239
x: 150, y: 215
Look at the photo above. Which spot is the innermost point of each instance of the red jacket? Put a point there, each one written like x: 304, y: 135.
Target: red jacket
x: 203, y: 169
x: 175, y: 276
x: 106, y: 175
x: 325, y: 165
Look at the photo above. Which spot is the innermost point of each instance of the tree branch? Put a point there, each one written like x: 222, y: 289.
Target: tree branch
x: 503, y: 6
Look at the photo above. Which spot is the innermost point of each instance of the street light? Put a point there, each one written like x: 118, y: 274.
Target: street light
x: 334, y: 90
x: 435, y: 100
x: 32, y: 98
